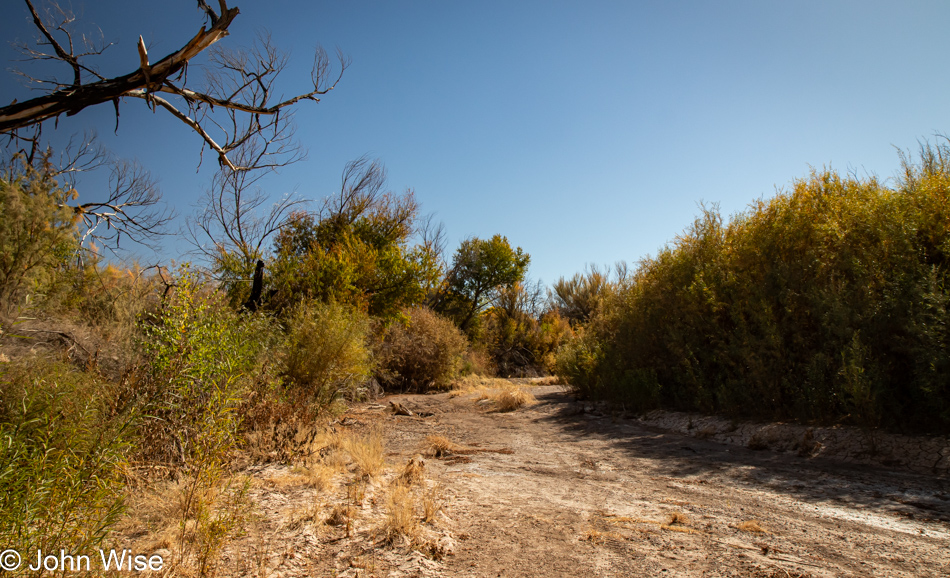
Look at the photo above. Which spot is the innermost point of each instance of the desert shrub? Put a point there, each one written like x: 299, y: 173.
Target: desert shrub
x: 521, y: 338
x: 37, y: 231
x: 358, y: 249
x: 327, y: 354
x: 199, y: 360
x: 476, y: 361
x: 827, y: 302
x: 62, y: 453
x: 423, y: 352
x: 581, y: 297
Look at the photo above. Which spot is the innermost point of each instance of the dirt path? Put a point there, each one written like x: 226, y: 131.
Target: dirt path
x: 583, y: 494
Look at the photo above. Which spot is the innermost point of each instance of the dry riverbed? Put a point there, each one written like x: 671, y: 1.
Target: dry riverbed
x: 553, y: 489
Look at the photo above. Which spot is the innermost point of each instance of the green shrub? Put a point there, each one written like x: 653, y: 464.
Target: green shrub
x: 200, y: 360
x: 522, y: 341
x: 37, y: 231
x: 62, y: 455
x: 827, y: 302
x: 421, y: 353
x: 326, y: 351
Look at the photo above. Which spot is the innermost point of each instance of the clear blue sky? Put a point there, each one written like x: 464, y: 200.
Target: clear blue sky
x: 583, y: 131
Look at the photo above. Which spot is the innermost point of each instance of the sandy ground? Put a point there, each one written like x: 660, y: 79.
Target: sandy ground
x: 554, y: 490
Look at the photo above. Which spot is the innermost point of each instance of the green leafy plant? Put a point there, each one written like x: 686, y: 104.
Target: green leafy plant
x: 326, y: 351
x: 63, y: 445
x: 827, y: 302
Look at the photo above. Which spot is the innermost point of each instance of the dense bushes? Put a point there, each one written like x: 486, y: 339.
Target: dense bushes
x: 37, y: 231
x: 519, y: 335
x: 422, y: 352
x: 326, y: 351
x: 198, y: 361
x: 61, y: 457
x: 827, y: 302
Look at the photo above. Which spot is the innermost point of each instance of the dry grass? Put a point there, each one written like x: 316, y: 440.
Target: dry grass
x: 752, y: 526
x: 401, y: 522
x: 367, y: 451
x: 677, y: 522
x: 440, y: 447
x: 476, y: 384
x: 593, y: 535
x: 678, y: 518
x: 319, y: 476
x: 340, y: 515
x: 681, y: 529
x: 432, y: 502
x: 413, y: 473
x: 507, y: 396
x: 513, y: 397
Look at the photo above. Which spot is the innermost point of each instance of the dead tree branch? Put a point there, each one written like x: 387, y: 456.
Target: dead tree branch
x: 241, y: 84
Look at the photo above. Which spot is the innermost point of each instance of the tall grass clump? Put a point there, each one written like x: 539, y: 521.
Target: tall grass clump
x: 63, y: 445
x: 825, y: 303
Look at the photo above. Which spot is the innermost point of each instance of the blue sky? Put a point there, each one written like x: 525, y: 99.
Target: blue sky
x: 584, y: 132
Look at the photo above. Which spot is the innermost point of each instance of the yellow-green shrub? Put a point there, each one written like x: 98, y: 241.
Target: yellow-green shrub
x: 62, y: 453
x: 199, y: 360
x: 37, y: 231
x: 827, y: 302
x: 326, y: 350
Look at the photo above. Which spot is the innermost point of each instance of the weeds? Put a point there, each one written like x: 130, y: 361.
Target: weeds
x: 367, y: 451
x: 62, y: 457
x: 751, y: 526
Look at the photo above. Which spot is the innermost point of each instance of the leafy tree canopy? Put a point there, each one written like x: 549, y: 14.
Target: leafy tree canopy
x: 480, y: 270
x: 358, y: 249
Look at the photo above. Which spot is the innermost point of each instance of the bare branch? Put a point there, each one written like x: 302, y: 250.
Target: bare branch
x: 75, y: 98
x: 68, y: 57
x: 239, y: 103
x: 433, y: 238
x: 132, y: 209
x: 234, y: 218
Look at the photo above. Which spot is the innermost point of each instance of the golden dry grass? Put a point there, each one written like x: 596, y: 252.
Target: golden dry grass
x: 413, y: 473
x: 677, y: 522
x: 476, y: 384
x: 340, y: 515
x: 513, y: 397
x: 752, y: 526
x: 441, y: 446
x: 678, y: 518
x: 400, y: 519
x: 367, y: 451
x: 432, y: 502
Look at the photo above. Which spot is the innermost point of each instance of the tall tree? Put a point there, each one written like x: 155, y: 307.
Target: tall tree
x: 480, y: 270
x: 358, y: 248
